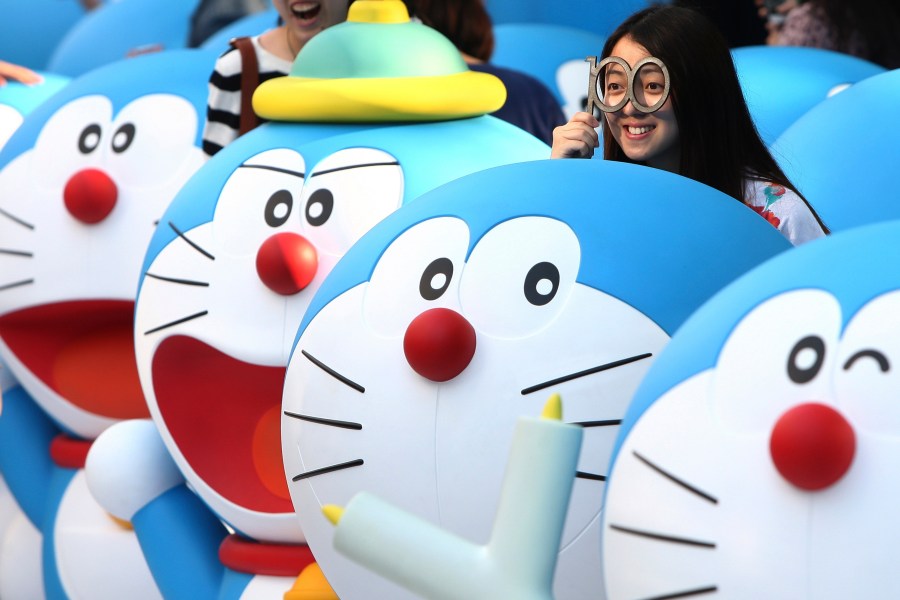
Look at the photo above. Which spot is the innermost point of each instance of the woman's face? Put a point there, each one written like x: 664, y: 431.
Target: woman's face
x: 648, y: 138
x: 306, y: 18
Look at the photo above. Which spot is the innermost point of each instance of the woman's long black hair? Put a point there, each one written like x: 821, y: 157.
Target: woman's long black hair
x: 718, y: 140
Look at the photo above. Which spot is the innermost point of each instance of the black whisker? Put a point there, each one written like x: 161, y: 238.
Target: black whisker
x: 607, y: 423
x: 190, y: 243
x: 686, y: 593
x: 662, y: 537
x: 16, y: 284
x: 591, y: 476
x: 321, y: 421
x: 334, y: 373
x: 353, y: 463
x: 591, y: 371
x: 17, y: 253
x: 181, y: 281
x: 177, y: 322
x: 276, y: 169
x: 676, y: 480
x: 377, y: 164
x: 16, y: 219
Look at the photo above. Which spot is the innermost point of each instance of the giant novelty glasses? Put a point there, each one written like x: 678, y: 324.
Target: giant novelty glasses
x: 614, y: 82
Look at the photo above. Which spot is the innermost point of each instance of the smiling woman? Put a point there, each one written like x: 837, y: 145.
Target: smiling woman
x: 701, y: 129
x: 252, y: 61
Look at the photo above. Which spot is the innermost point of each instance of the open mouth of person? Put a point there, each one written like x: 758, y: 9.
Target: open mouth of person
x: 306, y: 11
x: 224, y: 415
x: 637, y: 132
x: 84, y: 351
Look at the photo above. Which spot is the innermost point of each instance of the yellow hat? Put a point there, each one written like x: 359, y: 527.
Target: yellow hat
x: 378, y: 66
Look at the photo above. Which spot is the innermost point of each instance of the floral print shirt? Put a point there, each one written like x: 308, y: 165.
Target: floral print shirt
x: 784, y: 209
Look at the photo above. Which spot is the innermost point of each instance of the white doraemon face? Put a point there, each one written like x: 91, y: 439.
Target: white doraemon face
x: 769, y: 475
x: 374, y: 402
x: 219, y: 307
x: 76, y: 213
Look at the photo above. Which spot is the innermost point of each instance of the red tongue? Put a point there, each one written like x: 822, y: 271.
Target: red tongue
x: 82, y: 350
x: 224, y: 415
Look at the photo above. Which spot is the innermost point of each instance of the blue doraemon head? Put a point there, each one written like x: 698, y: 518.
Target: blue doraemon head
x: 847, y: 171
x: 83, y: 182
x: 119, y: 30
x: 762, y: 440
x: 234, y: 264
x: 782, y: 83
x: 547, y: 276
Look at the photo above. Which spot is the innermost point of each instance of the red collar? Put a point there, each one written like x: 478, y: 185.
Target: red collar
x: 259, y: 558
x: 69, y: 452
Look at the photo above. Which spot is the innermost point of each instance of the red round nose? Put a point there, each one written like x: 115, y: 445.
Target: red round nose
x: 812, y: 446
x: 286, y: 263
x: 439, y: 344
x: 90, y: 195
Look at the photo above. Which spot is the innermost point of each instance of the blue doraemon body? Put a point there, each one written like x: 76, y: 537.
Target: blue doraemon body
x: 757, y: 454
x: 847, y: 172
x: 548, y: 276
x: 83, y: 182
x: 226, y: 280
x: 782, y: 83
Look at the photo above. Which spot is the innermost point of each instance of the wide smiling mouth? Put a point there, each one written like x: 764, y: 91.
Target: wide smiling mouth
x: 305, y: 11
x: 84, y: 351
x: 638, y: 129
x: 224, y: 415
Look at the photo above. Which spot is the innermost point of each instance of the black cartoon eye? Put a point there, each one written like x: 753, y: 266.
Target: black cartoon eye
x: 875, y: 355
x: 278, y: 208
x: 89, y: 139
x: 123, y: 138
x: 541, y: 283
x: 436, y: 278
x: 806, y: 359
x: 319, y: 207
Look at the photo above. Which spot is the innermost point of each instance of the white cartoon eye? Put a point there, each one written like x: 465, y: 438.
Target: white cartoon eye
x: 867, y: 376
x: 346, y: 194
x: 519, y: 276
x: 71, y: 140
x: 419, y: 271
x: 151, y: 139
x: 259, y: 199
x: 780, y: 355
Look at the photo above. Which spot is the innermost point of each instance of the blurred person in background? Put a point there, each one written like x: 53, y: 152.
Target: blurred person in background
x: 868, y: 29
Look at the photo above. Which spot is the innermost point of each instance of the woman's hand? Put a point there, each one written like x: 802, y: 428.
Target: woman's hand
x: 577, y: 138
x: 10, y: 71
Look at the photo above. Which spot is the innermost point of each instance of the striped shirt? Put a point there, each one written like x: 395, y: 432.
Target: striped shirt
x: 223, y: 108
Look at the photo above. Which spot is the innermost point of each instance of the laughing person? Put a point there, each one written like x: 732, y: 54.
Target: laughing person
x: 672, y: 101
x: 275, y: 52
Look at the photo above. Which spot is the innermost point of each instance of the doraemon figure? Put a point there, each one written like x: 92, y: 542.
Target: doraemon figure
x: 463, y: 310
x: 234, y: 265
x: 759, y: 452
x: 847, y: 172
x: 782, y: 83
x: 83, y: 182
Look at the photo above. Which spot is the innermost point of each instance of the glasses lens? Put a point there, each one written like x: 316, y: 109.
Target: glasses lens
x: 650, y: 87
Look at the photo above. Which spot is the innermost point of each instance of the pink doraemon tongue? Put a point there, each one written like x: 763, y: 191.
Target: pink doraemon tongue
x: 224, y: 415
x: 84, y: 351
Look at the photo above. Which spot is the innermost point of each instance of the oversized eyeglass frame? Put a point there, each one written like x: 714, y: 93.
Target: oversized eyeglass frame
x: 595, y: 81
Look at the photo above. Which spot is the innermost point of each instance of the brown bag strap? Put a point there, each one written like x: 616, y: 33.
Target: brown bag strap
x: 249, y: 82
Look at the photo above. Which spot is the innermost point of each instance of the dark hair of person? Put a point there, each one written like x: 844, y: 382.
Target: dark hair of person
x: 875, y: 23
x: 466, y: 23
x: 718, y: 141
